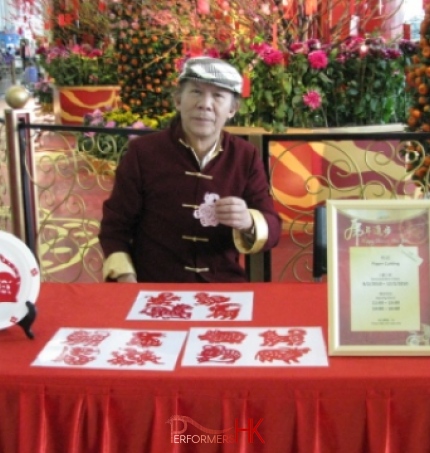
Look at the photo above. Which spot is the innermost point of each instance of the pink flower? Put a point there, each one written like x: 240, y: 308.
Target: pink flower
x: 97, y: 114
x: 268, y: 54
x: 138, y: 125
x: 260, y: 48
x: 299, y: 47
x: 110, y: 123
x: 76, y: 49
x: 318, y: 59
x: 212, y: 52
x: 57, y: 52
x: 312, y: 99
x: 95, y: 53
x: 273, y: 57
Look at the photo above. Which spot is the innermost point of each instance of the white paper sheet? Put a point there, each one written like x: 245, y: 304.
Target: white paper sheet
x: 255, y: 347
x: 119, y: 349
x: 192, y: 306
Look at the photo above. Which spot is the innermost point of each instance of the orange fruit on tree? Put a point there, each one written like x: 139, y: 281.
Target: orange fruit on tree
x: 426, y: 52
x: 420, y: 70
x: 422, y: 100
x: 416, y: 113
x: 412, y: 121
x: 423, y: 88
x: 410, y: 79
x: 425, y: 127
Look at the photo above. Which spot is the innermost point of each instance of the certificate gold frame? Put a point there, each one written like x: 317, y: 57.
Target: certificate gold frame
x: 378, y: 258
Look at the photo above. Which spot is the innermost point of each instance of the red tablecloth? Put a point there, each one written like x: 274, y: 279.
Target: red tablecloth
x: 356, y: 405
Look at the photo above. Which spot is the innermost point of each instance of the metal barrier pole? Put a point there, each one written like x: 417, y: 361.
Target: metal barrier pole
x: 258, y: 265
x: 19, y: 146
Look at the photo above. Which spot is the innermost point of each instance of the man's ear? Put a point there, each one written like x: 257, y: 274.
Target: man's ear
x: 177, y: 100
x: 235, y: 105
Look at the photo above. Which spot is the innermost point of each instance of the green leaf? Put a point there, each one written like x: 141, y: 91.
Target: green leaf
x: 324, y: 78
x: 268, y: 95
x: 296, y: 100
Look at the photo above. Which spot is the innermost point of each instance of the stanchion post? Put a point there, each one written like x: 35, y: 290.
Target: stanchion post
x: 21, y: 167
x: 259, y: 265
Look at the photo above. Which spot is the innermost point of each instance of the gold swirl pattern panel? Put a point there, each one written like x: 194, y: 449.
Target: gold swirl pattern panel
x: 305, y: 174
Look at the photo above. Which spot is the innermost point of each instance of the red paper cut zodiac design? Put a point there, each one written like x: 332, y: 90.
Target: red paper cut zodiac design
x: 163, y: 299
x: 10, y: 282
x: 295, y: 337
x: 146, y: 339
x: 287, y: 355
x: 205, y: 299
x: 206, y: 211
x: 77, y: 355
x: 180, y: 311
x: 86, y: 338
x: 132, y: 356
x: 223, y: 336
x: 224, y: 311
x: 219, y: 354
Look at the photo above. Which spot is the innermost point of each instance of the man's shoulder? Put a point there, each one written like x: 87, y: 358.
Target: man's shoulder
x: 237, y: 143
x: 152, y: 139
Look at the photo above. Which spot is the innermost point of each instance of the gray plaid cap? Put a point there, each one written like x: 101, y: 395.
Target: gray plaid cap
x: 213, y: 71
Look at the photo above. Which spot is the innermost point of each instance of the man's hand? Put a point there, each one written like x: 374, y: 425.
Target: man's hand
x: 233, y: 212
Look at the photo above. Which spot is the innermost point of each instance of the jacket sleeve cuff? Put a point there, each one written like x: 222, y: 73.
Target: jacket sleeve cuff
x: 116, y: 264
x: 242, y: 242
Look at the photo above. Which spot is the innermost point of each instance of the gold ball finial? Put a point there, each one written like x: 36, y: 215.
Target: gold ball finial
x: 17, y: 96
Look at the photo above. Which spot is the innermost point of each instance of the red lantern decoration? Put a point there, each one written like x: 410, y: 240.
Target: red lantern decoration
x: 246, y: 86
x: 406, y: 31
x: 289, y: 9
x: 310, y: 7
x: 195, y: 45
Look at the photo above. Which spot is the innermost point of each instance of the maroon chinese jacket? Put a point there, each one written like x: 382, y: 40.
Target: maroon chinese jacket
x: 158, y: 186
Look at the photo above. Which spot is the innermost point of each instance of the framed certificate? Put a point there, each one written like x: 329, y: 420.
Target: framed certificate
x: 378, y: 277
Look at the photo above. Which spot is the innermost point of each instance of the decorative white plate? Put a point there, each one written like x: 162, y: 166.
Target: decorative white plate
x: 19, y: 279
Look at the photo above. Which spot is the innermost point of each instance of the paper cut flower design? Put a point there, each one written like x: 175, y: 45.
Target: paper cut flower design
x: 206, y: 211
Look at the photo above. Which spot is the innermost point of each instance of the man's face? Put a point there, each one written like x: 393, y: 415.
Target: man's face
x: 204, y: 110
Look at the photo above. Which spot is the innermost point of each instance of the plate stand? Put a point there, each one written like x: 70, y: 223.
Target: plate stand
x: 27, y: 321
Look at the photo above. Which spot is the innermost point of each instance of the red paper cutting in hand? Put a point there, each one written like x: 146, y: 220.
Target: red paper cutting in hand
x: 146, y: 339
x: 287, y: 355
x: 218, y: 354
x: 223, y: 336
x: 132, y: 356
x: 206, y: 211
x: 295, y: 337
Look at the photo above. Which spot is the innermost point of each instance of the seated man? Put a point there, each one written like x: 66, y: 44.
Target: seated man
x: 188, y: 199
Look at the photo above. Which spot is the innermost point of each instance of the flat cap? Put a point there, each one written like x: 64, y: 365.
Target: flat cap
x: 213, y: 71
